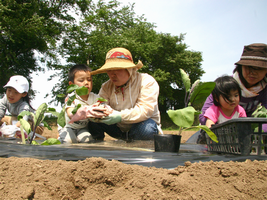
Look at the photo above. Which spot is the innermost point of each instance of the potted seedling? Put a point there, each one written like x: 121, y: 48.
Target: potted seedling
x: 184, y: 118
x: 38, y: 118
x: 260, y: 112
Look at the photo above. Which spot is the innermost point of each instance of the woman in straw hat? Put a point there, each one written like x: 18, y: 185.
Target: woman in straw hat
x: 251, y: 74
x: 132, y: 95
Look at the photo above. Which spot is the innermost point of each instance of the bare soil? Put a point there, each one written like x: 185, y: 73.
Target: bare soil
x: 97, y: 178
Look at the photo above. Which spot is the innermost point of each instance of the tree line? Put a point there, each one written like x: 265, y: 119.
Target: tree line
x: 38, y: 34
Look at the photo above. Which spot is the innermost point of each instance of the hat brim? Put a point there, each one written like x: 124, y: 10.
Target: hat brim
x: 253, y: 63
x: 117, y: 65
x: 16, y: 87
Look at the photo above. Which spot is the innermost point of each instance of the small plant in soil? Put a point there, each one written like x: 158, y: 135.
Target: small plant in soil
x: 184, y: 118
x: 37, y: 118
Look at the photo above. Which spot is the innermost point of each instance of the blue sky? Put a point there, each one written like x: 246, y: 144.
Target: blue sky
x: 217, y: 28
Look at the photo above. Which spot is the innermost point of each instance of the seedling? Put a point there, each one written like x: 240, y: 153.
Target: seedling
x: 184, y: 118
x: 80, y: 91
x: 38, y: 118
x: 261, y: 111
x: 101, y: 100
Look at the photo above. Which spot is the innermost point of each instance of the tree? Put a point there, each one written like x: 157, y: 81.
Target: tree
x: 49, y: 29
x: 107, y: 26
x: 28, y: 27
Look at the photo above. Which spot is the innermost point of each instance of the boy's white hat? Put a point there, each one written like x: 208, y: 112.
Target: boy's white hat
x: 20, y: 83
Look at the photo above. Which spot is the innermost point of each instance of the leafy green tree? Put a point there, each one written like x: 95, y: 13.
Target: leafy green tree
x: 49, y: 30
x: 109, y: 25
x: 29, y: 28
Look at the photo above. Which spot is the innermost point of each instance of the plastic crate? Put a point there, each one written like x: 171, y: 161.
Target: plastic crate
x: 239, y: 136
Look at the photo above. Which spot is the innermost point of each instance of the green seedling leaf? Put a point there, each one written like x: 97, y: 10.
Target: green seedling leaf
x: 71, y: 99
x: 198, y: 112
x: 46, y: 125
x: 51, y: 141
x: 76, y: 108
x: 26, y: 126
x: 82, y: 91
x: 201, y: 92
x: 261, y: 111
x: 22, y: 135
x: 71, y: 88
x: 101, y: 100
x: 35, y: 143
x: 183, y: 117
x: 259, y: 107
x: 61, y: 118
x: 193, y: 87
x: 209, y: 132
x: 51, y: 109
x: 24, y: 113
x: 55, y: 113
x: 186, y: 80
x: 192, y: 128
x: 206, y: 129
x: 39, y: 114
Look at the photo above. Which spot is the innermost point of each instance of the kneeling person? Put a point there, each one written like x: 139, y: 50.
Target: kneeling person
x: 132, y: 95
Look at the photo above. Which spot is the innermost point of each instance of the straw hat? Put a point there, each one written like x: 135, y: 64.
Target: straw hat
x: 254, y: 55
x: 118, y: 58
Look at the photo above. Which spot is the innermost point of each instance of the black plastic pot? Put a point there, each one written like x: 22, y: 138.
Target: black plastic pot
x: 167, y: 142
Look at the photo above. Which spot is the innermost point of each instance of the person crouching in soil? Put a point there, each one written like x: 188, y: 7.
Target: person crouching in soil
x: 15, y: 101
x: 132, y: 95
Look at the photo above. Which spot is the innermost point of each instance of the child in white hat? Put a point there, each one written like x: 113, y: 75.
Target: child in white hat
x: 16, y: 99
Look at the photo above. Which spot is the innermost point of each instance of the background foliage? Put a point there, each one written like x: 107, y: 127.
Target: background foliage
x: 49, y: 28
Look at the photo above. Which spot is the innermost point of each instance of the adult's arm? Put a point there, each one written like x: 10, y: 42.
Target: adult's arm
x: 146, y: 104
x: 208, y: 103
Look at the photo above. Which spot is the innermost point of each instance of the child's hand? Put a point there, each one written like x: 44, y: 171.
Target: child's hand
x: 18, y: 124
x: 87, y: 111
x: 102, y: 107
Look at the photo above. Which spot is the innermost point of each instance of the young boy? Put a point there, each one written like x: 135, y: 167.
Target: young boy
x: 77, y: 132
